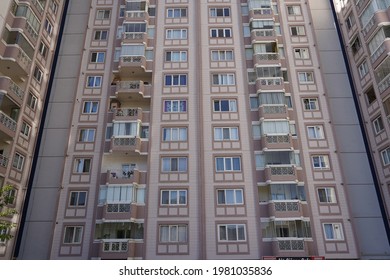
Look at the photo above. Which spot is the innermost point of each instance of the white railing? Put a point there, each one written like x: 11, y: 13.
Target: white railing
x: 267, y: 56
x: 128, y: 141
x: 116, y: 246
x: 131, y: 59
x: 131, y: 14
x: 16, y: 89
x: 262, y: 11
x: 133, y: 36
x: 271, y: 81
x: 291, y: 245
x: 31, y: 31
x: 282, y: 170
x: 7, y: 121
x: 277, y: 139
x: 286, y: 206
x: 128, y: 85
x: 127, y: 112
x: 118, y: 208
x: 264, y: 33
x: 3, y: 161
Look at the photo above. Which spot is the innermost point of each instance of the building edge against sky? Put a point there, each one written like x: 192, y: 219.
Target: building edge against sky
x: 159, y: 124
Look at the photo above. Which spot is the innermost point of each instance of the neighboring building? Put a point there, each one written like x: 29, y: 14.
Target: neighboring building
x: 216, y: 129
x: 29, y: 32
x: 365, y: 29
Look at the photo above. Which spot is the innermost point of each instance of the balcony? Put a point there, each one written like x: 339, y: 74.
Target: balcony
x: 376, y: 20
x: 12, y: 90
x: 15, y: 63
x: 261, y: 13
x: 380, y: 53
x: 7, y: 126
x: 266, y: 58
x: 3, y: 164
x: 136, y: 16
x: 132, y: 65
x: 280, y: 173
x: 130, y: 114
x: 116, y: 249
x: 384, y: 84
x: 38, y: 5
x: 128, y: 145
x: 273, y: 112
x: 132, y: 89
x: 118, y: 176
x: 290, y: 247
x: 263, y: 35
x: 134, y: 38
x: 264, y: 84
x: 276, y: 142
x: 285, y: 209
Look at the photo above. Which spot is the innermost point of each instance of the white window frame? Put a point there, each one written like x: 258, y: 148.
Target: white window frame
x: 176, y: 80
x: 363, y: 69
x: 294, y: 10
x: 100, y: 35
x: 176, y: 34
x: 97, y: 57
x: 221, y: 33
x: 86, y: 135
x: 174, y: 197
x: 181, y: 106
x: 78, y: 198
x: 306, y: 77
x: 322, y: 162
x: 378, y: 125
x: 230, y: 233
x: 176, y: 56
x: 315, y: 132
x: 231, y: 104
x: 90, y: 107
x: 227, y: 164
x: 174, y: 134
x: 94, y: 81
x: 219, y: 12
x: 301, y: 53
x: 173, y: 235
x: 222, y: 55
x: 174, y: 164
x: 82, y: 165
x: 297, y: 30
x: 328, y: 194
x: 18, y: 161
x: 38, y: 74
x: 73, y: 234
x: 230, y: 196
x: 25, y: 129
x: 333, y: 231
x: 103, y: 14
x: 176, y: 12
x: 48, y: 27
x: 32, y: 101
x: 43, y: 48
x: 226, y: 134
x: 311, y: 104
x: 224, y: 79
x: 386, y: 156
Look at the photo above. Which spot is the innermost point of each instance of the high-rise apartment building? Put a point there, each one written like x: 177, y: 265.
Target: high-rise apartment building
x: 29, y: 32
x: 208, y: 129
x: 365, y: 31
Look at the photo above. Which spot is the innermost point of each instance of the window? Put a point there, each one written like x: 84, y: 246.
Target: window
x: 173, y: 233
x: 306, y: 77
x: 48, y: 27
x: 378, y: 125
x: 90, y: 107
x: 176, y: 13
x: 176, y: 56
x: 350, y: 21
x: 320, y: 162
x: 175, y: 106
x: 18, y: 161
x: 103, y: 14
x: 173, y: 197
x: 73, y: 234
x: 97, y: 57
x: 174, y: 134
x: 315, y: 132
x: 87, y: 135
x: 174, y: 164
x: 82, y: 165
x: 94, y: 81
x: 230, y: 196
x: 294, y: 10
x: 370, y: 96
x: 42, y: 49
x: 231, y: 232
x: 225, y: 105
x: 25, y: 129
x: 38, y: 74
x: 327, y: 195
x: 301, y: 53
x: 310, y: 104
x: 363, y: 69
x: 176, y: 80
x: 226, y: 133
x: 78, y: 199
x: 222, y: 55
x: 32, y: 101
x: 219, y: 12
x: 297, y: 30
x: 176, y: 34
x: 356, y: 45
x: 53, y: 7
x: 333, y: 231
x: 386, y: 156
x: 136, y: 27
x: 220, y: 32
x: 223, y: 79
x: 100, y: 35
x: 228, y: 164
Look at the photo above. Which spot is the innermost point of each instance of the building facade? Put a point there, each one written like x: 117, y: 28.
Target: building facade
x: 29, y: 32
x: 210, y: 129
